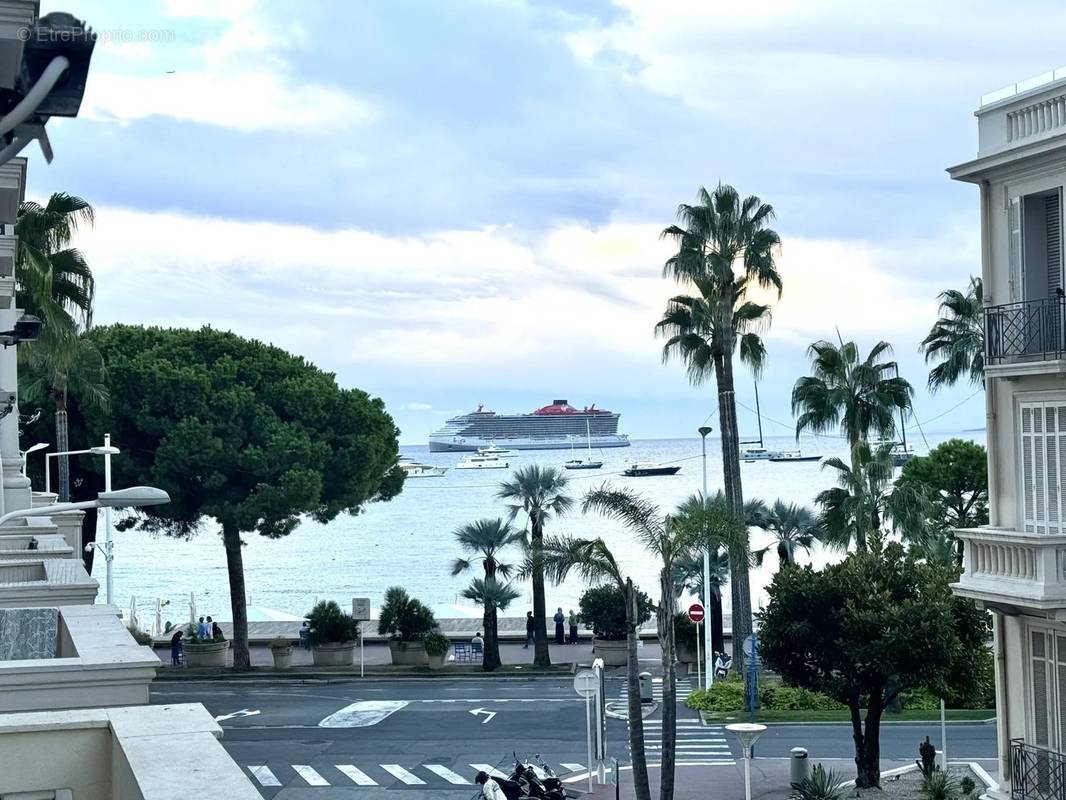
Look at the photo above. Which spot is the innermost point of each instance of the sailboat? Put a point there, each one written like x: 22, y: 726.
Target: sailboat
x: 760, y: 453
x: 588, y: 463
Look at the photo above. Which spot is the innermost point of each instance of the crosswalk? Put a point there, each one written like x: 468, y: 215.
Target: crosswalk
x: 684, y: 689
x: 696, y: 744
x: 429, y: 775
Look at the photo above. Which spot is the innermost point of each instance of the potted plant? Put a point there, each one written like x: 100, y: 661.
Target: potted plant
x: 603, y: 608
x: 437, y: 645
x: 406, y: 621
x: 281, y: 650
x: 333, y: 635
x: 206, y: 652
x: 685, y: 632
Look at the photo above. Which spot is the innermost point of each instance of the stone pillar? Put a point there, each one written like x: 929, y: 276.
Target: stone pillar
x: 16, y: 487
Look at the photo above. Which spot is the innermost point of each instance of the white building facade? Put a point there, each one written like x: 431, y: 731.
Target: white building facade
x: 1016, y: 566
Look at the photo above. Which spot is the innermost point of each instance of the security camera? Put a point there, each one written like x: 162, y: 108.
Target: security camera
x: 27, y: 329
x: 90, y: 547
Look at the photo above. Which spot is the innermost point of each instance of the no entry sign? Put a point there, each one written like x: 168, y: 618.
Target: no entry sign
x: 695, y: 612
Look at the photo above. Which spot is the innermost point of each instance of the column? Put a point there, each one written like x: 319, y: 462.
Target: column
x: 16, y: 487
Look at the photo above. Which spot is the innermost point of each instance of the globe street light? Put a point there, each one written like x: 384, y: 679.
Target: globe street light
x: 708, y: 634
x: 746, y: 733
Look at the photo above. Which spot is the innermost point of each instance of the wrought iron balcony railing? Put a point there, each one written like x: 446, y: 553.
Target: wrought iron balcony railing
x: 1036, y: 773
x: 1031, y: 330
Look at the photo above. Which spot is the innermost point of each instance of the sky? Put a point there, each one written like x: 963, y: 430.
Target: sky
x: 454, y: 203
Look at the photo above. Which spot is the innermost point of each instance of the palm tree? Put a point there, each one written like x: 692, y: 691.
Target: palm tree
x: 595, y: 563
x: 688, y: 575
x: 723, y: 247
x: 493, y: 596
x: 55, y: 283
x: 793, y: 528
x: 538, y: 492
x: 864, y: 499
x: 856, y: 394
x: 485, y: 539
x: 957, y: 338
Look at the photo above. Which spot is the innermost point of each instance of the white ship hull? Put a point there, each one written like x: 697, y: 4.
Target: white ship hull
x: 465, y: 444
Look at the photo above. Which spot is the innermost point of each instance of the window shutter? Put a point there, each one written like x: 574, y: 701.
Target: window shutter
x: 1051, y: 451
x: 1028, y: 411
x: 1052, y: 218
x: 1014, y: 248
x: 1041, y: 706
x: 1060, y: 689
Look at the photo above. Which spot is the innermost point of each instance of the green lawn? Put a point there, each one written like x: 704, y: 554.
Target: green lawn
x: 953, y: 715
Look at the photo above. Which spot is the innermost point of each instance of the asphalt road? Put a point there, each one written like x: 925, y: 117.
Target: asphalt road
x: 425, y: 736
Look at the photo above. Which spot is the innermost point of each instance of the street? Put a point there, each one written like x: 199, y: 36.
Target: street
x: 429, y: 737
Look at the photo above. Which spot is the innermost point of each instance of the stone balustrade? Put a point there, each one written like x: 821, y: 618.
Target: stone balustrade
x: 1002, y: 564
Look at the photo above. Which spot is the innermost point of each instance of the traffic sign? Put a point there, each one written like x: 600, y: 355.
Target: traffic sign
x: 586, y: 683
x: 696, y: 612
x: 361, y: 608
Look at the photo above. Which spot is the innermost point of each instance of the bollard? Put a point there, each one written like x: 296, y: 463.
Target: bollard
x: 646, y: 693
x: 800, y: 766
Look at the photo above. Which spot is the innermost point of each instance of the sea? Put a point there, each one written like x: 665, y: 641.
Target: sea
x: 409, y: 540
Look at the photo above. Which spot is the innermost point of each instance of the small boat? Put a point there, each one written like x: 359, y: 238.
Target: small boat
x: 901, y: 451
x: 415, y: 469
x: 793, y: 456
x: 647, y: 469
x: 498, y: 452
x: 481, y: 462
x: 588, y: 463
x: 760, y: 453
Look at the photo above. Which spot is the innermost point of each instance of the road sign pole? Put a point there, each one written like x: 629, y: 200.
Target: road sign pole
x: 361, y: 658
x: 588, y: 735
x: 699, y: 679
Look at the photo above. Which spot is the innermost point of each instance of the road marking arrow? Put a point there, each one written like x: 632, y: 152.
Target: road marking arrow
x: 244, y: 712
x: 488, y: 714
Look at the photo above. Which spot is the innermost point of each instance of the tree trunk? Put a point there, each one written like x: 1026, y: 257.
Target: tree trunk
x: 490, y: 659
x: 669, y: 709
x: 739, y: 588
x: 231, y: 538
x: 641, y: 787
x: 62, y: 446
x: 541, y: 656
x: 867, y: 742
x: 717, y: 631
x: 856, y: 473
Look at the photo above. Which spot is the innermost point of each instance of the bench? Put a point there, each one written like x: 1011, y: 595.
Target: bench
x: 467, y: 653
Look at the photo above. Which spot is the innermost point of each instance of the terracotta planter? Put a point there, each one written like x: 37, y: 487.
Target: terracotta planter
x: 333, y: 654
x: 408, y: 654
x: 436, y: 662
x: 614, y: 652
x: 206, y: 654
x: 282, y: 657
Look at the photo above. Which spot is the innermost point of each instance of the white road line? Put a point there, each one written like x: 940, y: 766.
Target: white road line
x: 572, y: 767
x: 264, y: 776
x: 407, y: 777
x: 357, y: 775
x: 309, y: 775
x: 447, y: 774
x: 491, y: 770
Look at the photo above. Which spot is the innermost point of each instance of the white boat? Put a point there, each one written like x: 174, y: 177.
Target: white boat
x: 415, y: 469
x: 587, y: 463
x: 758, y: 454
x: 498, y: 452
x: 793, y: 455
x: 901, y: 451
x: 481, y: 462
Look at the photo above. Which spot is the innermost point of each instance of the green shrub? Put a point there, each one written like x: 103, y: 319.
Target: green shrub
x: 777, y: 697
x: 967, y: 786
x: 330, y: 625
x: 603, y: 608
x: 722, y: 696
x: 404, y: 618
x: 939, y: 786
x: 141, y: 637
x: 819, y: 785
x: 436, y: 643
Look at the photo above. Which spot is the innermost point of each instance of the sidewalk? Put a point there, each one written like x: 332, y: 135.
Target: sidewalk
x: 378, y: 661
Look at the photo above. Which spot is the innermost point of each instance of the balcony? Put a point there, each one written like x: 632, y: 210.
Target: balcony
x: 1026, y: 338
x: 1037, y: 773
x: 1005, y: 568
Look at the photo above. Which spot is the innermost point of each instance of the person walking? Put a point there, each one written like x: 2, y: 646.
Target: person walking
x: 573, y: 627
x: 201, y: 629
x: 529, y: 630
x: 175, y: 648
x: 209, y: 629
x: 559, y: 620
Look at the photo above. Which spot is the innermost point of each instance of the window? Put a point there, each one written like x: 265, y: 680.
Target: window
x: 1042, y: 457
x: 1034, y: 246
x: 1047, y: 686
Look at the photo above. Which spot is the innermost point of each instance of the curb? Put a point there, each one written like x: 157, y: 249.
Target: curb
x: 274, y: 676
x: 989, y: 721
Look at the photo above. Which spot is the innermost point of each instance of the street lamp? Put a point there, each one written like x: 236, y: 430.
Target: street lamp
x: 32, y: 449
x: 746, y: 733
x: 133, y: 497
x: 708, y: 637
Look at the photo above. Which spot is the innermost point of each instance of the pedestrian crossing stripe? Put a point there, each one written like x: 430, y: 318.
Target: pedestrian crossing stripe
x: 682, y: 687
x: 319, y: 775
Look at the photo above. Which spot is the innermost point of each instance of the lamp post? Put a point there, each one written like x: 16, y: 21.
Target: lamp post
x: 133, y: 497
x: 746, y: 733
x: 708, y: 639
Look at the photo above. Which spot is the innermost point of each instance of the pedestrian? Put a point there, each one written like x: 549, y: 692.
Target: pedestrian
x: 305, y: 635
x: 573, y: 627
x: 529, y: 630
x: 209, y: 629
x: 201, y: 629
x: 559, y: 620
x: 499, y: 788
x: 216, y: 632
x: 478, y: 641
x: 175, y: 648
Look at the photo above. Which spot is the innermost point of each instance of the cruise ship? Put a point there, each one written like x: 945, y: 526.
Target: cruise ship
x: 553, y: 427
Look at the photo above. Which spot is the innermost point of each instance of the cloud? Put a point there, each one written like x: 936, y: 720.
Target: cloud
x: 418, y: 406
